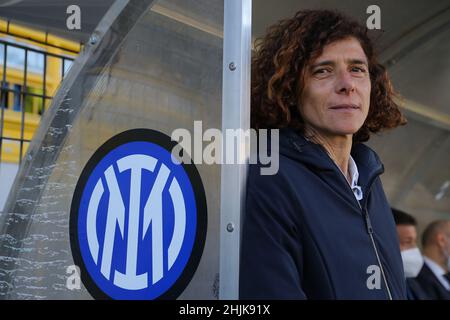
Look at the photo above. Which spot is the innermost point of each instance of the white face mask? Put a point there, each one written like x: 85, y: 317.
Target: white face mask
x: 412, y: 262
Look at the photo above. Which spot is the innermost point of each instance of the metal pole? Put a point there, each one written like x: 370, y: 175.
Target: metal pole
x: 22, y: 105
x: 4, y: 93
x: 235, y: 115
x: 44, y: 84
x: 62, y: 68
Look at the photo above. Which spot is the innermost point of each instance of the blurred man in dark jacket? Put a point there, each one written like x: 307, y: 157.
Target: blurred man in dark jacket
x: 434, y: 278
x: 411, y: 255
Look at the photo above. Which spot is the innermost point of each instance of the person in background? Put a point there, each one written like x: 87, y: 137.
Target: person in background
x: 411, y: 256
x: 407, y: 236
x: 434, y: 277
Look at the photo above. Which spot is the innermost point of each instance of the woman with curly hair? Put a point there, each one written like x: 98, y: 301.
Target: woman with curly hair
x: 321, y: 227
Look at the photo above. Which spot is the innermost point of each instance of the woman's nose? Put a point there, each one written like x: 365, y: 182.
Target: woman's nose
x: 345, y: 83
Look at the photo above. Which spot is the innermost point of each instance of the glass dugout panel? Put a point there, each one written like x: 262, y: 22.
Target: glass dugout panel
x: 149, y: 64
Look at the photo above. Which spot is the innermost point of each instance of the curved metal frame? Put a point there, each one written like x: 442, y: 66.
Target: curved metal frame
x: 110, y: 33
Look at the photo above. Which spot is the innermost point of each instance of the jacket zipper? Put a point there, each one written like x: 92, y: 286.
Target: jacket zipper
x: 366, y: 217
x: 369, y: 228
x: 370, y: 232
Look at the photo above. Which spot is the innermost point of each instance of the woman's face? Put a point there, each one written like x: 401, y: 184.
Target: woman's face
x: 336, y: 94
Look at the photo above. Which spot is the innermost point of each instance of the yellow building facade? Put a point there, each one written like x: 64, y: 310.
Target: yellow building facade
x: 32, y: 59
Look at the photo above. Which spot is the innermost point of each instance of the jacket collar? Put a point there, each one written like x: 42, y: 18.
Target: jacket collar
x: 294, y: 145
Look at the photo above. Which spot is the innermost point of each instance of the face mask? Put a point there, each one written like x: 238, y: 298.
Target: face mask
x: 412, y: 262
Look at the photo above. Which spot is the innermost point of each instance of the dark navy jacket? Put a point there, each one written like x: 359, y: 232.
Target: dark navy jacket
x: 426, y: 286
x: 306, y: 237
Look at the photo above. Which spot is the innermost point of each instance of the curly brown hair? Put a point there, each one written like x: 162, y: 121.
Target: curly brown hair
x: 281, y: 56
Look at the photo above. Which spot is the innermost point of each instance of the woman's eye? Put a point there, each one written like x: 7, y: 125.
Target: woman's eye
x: 322, y: 71
x: 358, y: 69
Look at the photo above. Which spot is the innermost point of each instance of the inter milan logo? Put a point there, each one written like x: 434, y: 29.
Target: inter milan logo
x: 138, y: 219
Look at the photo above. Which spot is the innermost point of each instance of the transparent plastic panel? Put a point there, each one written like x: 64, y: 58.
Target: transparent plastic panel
x: 150, y: 64
x: 417, y: 156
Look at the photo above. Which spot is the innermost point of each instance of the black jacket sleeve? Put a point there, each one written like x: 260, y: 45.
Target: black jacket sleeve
x: 271, y: 250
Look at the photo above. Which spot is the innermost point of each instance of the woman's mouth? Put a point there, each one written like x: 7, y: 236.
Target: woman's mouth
x: 345, y: 107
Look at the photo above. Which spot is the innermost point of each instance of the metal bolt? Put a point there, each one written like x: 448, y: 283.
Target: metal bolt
x: 232, y: 66
x: 93, y: 39
x: 230, y: 227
